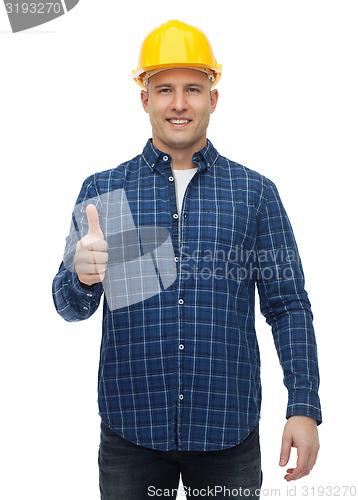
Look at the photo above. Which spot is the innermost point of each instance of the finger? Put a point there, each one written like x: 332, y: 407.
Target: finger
x: 93, y: 222
x: 285, y: 450
x: 99, y: 260
x: 302, y: 465
x: 90, y: 244
x: 98, y: 245
x: 90, y: 268
x: 98, y: 268
x: 88, y: 256
x: 312, y: 458
x: 98, y: 257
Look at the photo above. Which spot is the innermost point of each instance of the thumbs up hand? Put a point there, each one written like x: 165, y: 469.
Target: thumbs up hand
x: 91, y: 251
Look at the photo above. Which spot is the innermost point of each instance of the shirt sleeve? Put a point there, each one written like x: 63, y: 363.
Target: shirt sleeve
x: 284, y: 303
x: 72, y: 301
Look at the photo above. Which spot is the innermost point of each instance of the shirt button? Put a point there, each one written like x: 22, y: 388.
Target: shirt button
x: 180, y: 301
x: 89, y: 295
x: 181, y: 396
x: 171, y: 178
x: 175, y: 216
x: 181, y: 347
x: 176, y: 259
x: 85, y: 308
x: 165, y: 158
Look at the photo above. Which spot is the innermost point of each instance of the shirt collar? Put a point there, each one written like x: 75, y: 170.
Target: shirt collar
x: 154, y: 158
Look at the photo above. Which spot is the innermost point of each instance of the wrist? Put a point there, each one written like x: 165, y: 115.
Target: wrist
x: 303, y: 418
x: 83, y: 285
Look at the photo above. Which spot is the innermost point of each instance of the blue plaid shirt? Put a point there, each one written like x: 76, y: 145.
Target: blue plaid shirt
x: 181, y: 369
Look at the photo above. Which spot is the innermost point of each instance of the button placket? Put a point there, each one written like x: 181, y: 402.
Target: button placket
x: 175, y: 217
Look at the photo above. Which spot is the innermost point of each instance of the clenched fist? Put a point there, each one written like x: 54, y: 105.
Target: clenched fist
x: 91, y: 251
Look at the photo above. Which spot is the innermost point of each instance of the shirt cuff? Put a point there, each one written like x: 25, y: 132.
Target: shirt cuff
x: 76, y: 286
x: 303, y: 402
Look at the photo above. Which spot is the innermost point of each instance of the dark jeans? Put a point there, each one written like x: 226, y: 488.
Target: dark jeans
x: 131, y: 472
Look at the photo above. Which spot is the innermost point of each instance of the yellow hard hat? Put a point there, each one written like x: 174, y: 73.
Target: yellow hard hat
x: 176, y: 45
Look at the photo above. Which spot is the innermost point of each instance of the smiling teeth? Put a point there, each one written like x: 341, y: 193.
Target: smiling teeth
x: 178, y: 122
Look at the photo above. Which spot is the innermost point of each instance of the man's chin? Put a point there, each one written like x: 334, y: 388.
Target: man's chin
x: 177, y: 141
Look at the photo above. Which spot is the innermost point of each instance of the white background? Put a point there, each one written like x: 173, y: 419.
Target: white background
x: 288, y: 108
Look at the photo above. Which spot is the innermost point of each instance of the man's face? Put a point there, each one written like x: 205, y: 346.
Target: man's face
x: 182, y: 95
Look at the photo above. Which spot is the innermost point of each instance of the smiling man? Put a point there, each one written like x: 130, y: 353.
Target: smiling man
x: 179, y: 387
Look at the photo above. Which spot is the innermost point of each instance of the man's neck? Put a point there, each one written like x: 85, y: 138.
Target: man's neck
x: 182, y: 162
x: 182, y: 159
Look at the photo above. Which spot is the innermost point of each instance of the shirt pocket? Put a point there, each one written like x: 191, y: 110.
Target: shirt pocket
x: 229, y: 227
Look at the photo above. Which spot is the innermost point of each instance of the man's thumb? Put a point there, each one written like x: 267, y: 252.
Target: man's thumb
x: 94, y: 228
x: 285, y: 451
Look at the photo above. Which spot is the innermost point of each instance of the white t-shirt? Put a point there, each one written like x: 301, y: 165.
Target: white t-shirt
x: 182, y: 179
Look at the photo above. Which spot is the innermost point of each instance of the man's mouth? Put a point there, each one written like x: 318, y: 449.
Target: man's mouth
x: 179, y: 121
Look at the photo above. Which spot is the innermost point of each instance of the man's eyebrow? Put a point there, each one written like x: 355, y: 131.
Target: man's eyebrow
x: 199, y: 85
x: 195, y: 85
x: 163, y: 85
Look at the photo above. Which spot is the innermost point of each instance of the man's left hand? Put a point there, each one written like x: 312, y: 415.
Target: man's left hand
x: 300, y: 432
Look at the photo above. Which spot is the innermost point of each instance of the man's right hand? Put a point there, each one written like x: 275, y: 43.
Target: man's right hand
x: 91, y: 251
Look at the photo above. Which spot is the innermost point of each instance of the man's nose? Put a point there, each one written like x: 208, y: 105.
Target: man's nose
x: 179, y: 101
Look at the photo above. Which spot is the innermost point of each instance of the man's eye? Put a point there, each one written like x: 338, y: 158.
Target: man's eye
x: 193, y: 89
x: 163, y: 91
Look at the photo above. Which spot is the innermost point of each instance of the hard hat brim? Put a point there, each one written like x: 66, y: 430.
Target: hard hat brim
x: 138, y: 73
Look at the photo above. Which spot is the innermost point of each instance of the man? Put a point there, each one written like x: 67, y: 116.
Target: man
x: 179, y: 378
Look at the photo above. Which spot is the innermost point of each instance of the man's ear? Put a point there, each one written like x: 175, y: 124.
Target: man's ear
x: 214, y: 96
x: 144, y: 98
